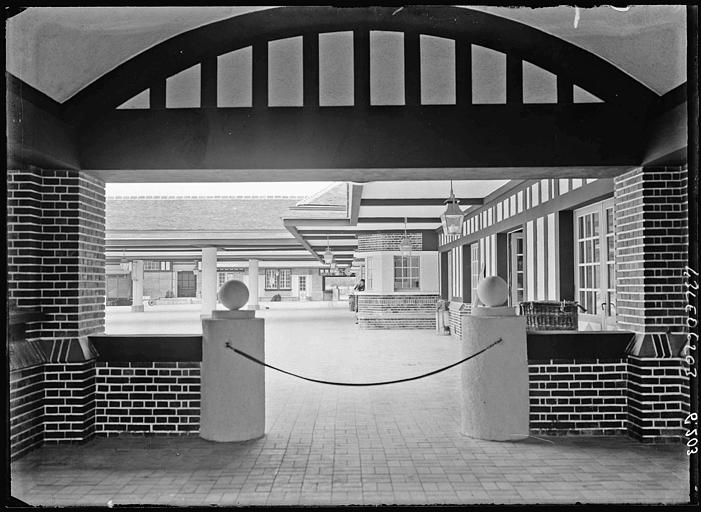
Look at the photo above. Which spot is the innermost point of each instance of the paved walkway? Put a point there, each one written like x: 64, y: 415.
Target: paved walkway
x: 329, y: 445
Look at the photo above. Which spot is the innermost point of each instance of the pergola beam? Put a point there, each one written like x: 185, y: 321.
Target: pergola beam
x: 412, y: 201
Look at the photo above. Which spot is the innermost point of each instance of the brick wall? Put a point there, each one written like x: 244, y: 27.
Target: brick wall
x: 651, y: 229
x: 156, y: 397
x: 73, y: 268
x: 69, y: 402
x: 578, y: 397
x: 389, y: 241
x: 658, y: 398
x: 397, y: 311
x: 457, y: 312
x: 651, y: 249
x: 26, y: 396
x: 24, y: 241
x: 56, y: 261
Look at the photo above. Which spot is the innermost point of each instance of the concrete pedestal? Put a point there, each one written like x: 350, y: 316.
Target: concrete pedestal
x: 233, y: 387
x: 137, y: 288
x: 495, y: 383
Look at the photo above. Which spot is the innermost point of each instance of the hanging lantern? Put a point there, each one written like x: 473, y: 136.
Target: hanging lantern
x: 124, y: 263
x: 405, y: 245
x: 453, y: 216
x: 328, y: 255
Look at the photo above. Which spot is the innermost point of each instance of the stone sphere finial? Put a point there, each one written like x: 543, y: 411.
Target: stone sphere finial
x: 493, y: 291
x: 233, y: 294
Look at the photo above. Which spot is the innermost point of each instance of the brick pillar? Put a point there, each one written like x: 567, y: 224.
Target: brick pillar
x: 56, y: 249
x: 651, y: 252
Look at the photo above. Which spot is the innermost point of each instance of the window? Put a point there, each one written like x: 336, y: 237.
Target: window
x: 474, y: 269
x: 278, y: 279
x: 406, y: 273
x: 302, y: 283
x: 517, y: 281
x: 368, y: 272
x: 595, y: 277
x: 156, y: 265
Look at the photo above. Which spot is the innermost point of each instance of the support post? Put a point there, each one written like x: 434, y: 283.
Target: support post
x: 233, y: 388
x: 253, y: 284
x: 209, y: 280
x: 137, y: 289
x: 495, y: 402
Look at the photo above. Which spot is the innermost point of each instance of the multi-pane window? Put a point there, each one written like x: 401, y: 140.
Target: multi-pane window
x: 595, y: 279
x: 406, y: 273
x: 302, y: 283
x: 610, y: 305
x: 517, y: 281
x: 474, y: 269
x: 588, y: 261
x: 278, y: 279
x: 156, y: 265
x: 369, y: 270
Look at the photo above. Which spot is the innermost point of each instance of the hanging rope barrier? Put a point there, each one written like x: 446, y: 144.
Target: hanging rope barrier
x: 332, y: 383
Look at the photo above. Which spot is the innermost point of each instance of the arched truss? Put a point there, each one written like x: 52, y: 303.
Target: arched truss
x: 571, y: 64
x: 362, y: 141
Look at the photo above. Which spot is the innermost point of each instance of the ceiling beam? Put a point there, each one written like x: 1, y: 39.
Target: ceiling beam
x: 400, y: 220
x: 411, y: 201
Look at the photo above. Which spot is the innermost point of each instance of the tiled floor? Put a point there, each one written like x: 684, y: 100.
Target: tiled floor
x: 330, y: 445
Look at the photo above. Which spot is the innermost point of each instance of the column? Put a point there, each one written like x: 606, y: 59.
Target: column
x: 209, y: 280
x: 137, y: 288
x: 253, y: 284
x: 651, y: 230
x: 56, y: 265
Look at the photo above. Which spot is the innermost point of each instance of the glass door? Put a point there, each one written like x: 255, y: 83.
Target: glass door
x: 595, y: 277
x: 517, y: 276
x: 302, y: 287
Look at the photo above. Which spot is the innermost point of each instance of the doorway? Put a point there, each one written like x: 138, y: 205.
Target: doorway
x: 595, y: 274
x: 187, y: 283
x: 517, y: 275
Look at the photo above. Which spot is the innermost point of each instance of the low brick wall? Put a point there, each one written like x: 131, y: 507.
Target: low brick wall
x: 26, y: 410
x: 456, y: 316
x: 578, y: 397
x: 147, y: 397
x: 394, y: 311
x: 569, y: 394
x: 658, y: 398
x: 69, y: 403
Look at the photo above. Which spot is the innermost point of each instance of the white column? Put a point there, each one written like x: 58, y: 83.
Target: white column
x: 209, y: 280
x: 253, y: 284
x: 137, y: 288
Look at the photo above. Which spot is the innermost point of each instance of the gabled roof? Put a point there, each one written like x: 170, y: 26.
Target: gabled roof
x: 335, y: 194
x: 187, y: 214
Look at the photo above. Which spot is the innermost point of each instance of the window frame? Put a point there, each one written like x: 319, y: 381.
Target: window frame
x: 601, y: 293
x: 278, y: 273
x: 409, y: 269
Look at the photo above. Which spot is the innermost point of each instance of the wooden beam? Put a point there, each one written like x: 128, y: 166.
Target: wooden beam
x: 463, y: 72
x: 586, y: 194
x: 429, y: 136
x: 410, y: 201
x: 565, y: 91
x: 260, y: 74
x: 361, y: 67
x: 356, y: 200
x: 310, y: 68
x: 514, y: 79
x: 157, y: 94
x: 378, y: 220
x: 412, y: 69
x: 208, y: 83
